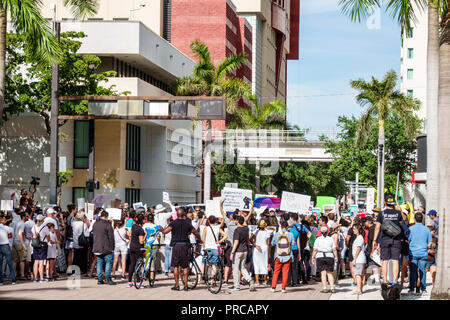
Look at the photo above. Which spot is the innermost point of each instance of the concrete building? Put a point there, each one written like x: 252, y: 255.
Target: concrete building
x: 414, y: 62
x: 133, y: 159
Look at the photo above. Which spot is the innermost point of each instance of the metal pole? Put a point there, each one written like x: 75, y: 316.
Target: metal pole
x: 54, y: 123
x: 91, y: 157
x: 396, y: 187
x: 357, y: 188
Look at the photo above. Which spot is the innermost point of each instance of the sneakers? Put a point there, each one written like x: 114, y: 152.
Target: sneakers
x: 272, y: 290
x: 324, y: 290
x: 44, y: 280
x: 110, y: 282
x: 235, y: 289
x: 252, y: 285
x: 333, y: 290
x: 176, y: 288
x: 356, y: 292
x: 130, y: 284
x: 283, y: 291
x: 166, y: 274
x: 100, y: 281
x: 13, y: 283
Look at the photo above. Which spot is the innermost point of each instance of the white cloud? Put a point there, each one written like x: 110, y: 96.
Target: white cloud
x: 318, y: 6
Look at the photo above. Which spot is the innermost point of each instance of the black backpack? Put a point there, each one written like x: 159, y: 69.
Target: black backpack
x: 390, y: 228
x: 83, y: 241
x: 69, y: 230
x: 303, y: 235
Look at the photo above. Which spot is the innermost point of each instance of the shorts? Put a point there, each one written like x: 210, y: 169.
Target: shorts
x: 19, y: 254
x: 121, y: 250
x: 213, y: 256
x: 404, y: 251
x: 69, y: 244
x: 359, y: 269
x: 325, y: 264
x: 390, y: 249
x: 40, y: 253
x: 227, y: 254
x: 430, y: 264
x: 180, y: 256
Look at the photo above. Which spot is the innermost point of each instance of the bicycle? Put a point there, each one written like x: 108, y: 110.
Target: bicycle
x: 194, y: 269
x: 142, y: 269
x: 214, y: 272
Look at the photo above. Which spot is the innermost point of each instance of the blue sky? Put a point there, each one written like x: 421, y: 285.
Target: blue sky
x: 333, y: 51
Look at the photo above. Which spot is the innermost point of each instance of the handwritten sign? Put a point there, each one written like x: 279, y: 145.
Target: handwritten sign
x: 99, y: 200
x: 89, y: 210
x: 236, y: 199
x: 315, y: 211
x: 80, y: 203
x: 7, y: 205
x: 114, y: 213
x: 294, y: 202
x: 166, y: 198
x: 329, y: 208
x: 138, y: 205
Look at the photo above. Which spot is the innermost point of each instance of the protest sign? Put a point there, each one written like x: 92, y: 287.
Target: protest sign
x: 315, y: 211
x: 353, y: 210
x: 294, y: 202
x: 89, y: 210
x: 115, y: 203
x: 260, y: 210
x: 114, y: 213
x: 138, y: 205
x: 166, y: 198
x: 80, y: 203
x: 236, y: 199
x: 7, y: 205
x: 370, y: 200
x: 329, y: 208
x: 213, y: 208
x: 99, y: 200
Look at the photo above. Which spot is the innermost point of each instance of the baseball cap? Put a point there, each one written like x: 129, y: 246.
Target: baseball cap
x: 432, y: 212
x: 390, y: 201
x: 272, y: 209
x: 40, y: 217
x: 50, y: 210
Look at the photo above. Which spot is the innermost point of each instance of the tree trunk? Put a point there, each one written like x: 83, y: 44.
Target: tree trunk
x: 207, y: 171
x: 2, y: 62
x: 432, y: 108
x: 441, y: 289
x: 381, y: 148
x: 258, y: 175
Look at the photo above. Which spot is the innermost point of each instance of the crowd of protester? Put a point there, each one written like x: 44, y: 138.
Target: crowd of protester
x: 387, y: 246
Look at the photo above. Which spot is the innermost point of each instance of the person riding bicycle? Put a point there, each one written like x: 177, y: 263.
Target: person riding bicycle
x: 151, y: 244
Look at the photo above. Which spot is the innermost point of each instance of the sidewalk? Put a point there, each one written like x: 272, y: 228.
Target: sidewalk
x: 344, y: 292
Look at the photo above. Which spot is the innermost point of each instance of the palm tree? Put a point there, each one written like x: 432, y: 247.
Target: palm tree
x: 42, y: 44
x: 268, y: 116
x: 213, y: 80
x: 381, y: 99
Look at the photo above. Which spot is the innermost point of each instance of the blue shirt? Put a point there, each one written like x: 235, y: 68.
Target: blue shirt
x: 296, y: 235
x: 419, y: 237
x: 290, y: 236
x: 129, y: 223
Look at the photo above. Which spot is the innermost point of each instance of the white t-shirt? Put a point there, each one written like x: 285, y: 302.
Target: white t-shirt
x: 77, y: 229
x: 324, y: 246
x: 359, y: 242
x: 29, y: 224
x: 330, y: 223
x: 119, y: 237
x: 210, y: 242
x: 261, y: 238
x: 11, y: 240
x: 162, y: 219
x: 42, y: 230
x: 192, y: 238
x: 4, y: 234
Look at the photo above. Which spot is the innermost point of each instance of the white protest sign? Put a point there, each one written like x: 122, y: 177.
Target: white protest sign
x: 213, y: 208
x: 89, y: 210
x: 260, y: 210
x: 80, y: 203
x: 370, y: 199
x: 99, y: 200
x: 236, y: 199
x: 329, y: 208
x: 138, y: 205
x: 7, y: 205
x: 114, y: 213
x: 166, y: 198
x: 316, y: 211
x: 294, y: 202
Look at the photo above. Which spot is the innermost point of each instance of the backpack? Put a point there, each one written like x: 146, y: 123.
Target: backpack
x: 36, y: 243
x: 390, y: 228
x: 283, y: 245
x: 69, y: 230
x: 83, y: 241
x: 303, y: 235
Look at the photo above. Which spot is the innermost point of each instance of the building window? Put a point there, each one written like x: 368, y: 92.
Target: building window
x: 410, y: 33
x: 167, y: 20
x: 410, y: 53
x: 133, y: 154
x: 81, y: 145
x: 411, y: 94
x: 410, y: 74
x: 78, y: 193
x: 132, y: 196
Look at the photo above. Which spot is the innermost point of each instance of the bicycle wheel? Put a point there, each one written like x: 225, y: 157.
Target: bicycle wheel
x: 138, y: 275
x: 213, y: 277
x: 194, y: 274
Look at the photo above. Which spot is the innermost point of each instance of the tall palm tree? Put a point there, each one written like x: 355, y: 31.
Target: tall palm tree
x: 42, y: 44
x: 381, y: 99
x: 268, y: 116
x: 209, y: 79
